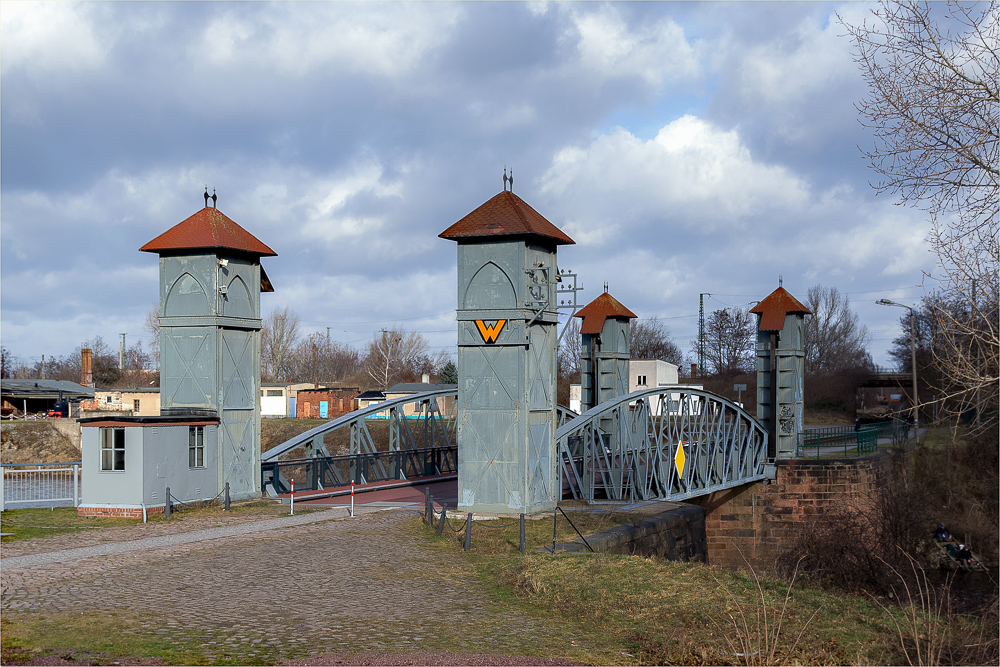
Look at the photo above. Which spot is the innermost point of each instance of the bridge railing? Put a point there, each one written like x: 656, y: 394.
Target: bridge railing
x: 670, y: 442
x: 323, y: 472
x: 847, y: 442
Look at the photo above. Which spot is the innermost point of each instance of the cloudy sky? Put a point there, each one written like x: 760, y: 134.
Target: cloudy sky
x: 685, y: 147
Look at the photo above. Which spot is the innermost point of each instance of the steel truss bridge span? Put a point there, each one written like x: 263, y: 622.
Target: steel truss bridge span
x: 670, y: 443
x: 420, y: 441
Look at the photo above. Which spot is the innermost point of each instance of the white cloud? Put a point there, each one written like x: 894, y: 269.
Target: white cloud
x: 610, y: 48
x: 690, y: 170
x: 797, y: 65
x: 296, y: 39
x: 46, y: 36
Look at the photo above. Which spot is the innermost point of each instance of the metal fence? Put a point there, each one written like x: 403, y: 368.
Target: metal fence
x: 24, y: 485
x: 321, y: 472
x: 845, y: 441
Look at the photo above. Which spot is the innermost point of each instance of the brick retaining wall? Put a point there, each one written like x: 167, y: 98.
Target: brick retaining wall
x: 759, y: 521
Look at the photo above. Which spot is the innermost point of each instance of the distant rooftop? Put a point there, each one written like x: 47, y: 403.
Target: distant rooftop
x: 40, y: 388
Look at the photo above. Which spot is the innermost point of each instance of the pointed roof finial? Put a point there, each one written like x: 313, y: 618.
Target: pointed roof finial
x: 605, y: 286
x: 512, y: 179
x: 779, y: 280
x: 505, y: 178
x: 214, y: 199
x: 206, y: 196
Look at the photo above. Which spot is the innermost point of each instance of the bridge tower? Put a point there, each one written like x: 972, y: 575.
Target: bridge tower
x: 210, y: 285
x: 507, y: 340
x: 604, y: 350
x: 780, y: 370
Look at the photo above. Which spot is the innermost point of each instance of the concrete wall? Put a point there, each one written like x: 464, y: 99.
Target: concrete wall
x: 677, y: 534
x: 758, y: 521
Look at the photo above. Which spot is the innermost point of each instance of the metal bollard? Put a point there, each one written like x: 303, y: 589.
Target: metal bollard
x: 521, y: 546
x: 227, y: 496
x: 468, y: 532
x: 166, y: 504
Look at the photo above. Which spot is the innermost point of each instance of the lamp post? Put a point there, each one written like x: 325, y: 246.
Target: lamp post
x: 913, y: 358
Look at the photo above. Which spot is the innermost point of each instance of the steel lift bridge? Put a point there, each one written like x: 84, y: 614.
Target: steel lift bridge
x: 672, y: 442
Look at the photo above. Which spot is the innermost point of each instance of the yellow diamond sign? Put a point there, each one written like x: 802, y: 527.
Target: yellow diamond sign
x: 679, y: 459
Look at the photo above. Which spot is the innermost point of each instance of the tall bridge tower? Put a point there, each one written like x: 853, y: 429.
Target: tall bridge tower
x: 507, y: 340
x: 210, y: 285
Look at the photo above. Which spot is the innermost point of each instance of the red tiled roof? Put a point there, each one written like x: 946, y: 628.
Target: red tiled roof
x: 505, y: 215
x: 775, y: 306
x: 208, y: 228
x: 600, y: 309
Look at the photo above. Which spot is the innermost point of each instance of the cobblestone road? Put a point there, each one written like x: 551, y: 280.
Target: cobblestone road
x: 343, y: 585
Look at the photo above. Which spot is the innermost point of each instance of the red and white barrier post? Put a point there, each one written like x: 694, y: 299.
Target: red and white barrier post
x: 352, y: 497
x: 292, y: 497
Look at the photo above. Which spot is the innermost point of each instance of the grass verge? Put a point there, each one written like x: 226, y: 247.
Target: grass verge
x: 636, y: 610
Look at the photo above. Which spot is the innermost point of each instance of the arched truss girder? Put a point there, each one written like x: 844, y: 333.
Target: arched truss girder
x: 423, y: 426
x: 626, y: 449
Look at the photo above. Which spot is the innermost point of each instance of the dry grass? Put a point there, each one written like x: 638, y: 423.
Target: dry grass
x: 35, y: 442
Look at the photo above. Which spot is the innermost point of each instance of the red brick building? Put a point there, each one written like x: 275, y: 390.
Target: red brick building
x: 328, y: 403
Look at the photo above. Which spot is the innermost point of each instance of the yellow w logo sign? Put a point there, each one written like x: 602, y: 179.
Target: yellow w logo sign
x: 489, y: 332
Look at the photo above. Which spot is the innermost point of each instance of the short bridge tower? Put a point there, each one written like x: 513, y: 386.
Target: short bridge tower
x: 780, y: 370
x: 507, y: 342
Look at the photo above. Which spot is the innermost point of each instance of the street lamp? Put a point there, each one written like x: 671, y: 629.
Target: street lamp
x: 913, y: 357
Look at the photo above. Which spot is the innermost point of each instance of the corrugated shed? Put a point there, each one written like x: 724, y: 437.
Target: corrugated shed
x: 775, y: 306
x: 600, y: 309
x: 505, y: 215
x: 208, y: 228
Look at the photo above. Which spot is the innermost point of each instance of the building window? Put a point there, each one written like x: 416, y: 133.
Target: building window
x: 107, y: 399
x: 135, y: 405
x: 196, y: 446
x: 640, y: 381
x: 274, y: 392
x: 112, y: 449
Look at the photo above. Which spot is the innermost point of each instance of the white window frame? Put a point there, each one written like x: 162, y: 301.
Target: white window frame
x: 640, y: 380
x: 196, y: 447
x: 112, y: 450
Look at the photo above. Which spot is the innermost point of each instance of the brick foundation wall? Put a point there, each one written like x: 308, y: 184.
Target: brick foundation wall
x: 136, y: 512
x: 118, y: 512
x: 758, y: 521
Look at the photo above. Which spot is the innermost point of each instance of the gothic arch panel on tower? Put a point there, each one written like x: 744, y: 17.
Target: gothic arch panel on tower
x: 238, y: 301
x: 491, y: 287
x: 187, y: 297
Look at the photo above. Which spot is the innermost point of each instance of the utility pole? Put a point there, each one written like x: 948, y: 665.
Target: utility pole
x: 701, y: 333
x: 121, y: 353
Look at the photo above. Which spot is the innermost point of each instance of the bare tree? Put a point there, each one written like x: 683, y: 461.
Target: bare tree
x: 932, y: 72
x: 570, y: 352
x: 729, y: 341
x: 151, y: 323
x: 650, y: 339
x: 395, y: 355
x: 319, y: 359
x: 835, y: 339
x: 278, y: 335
